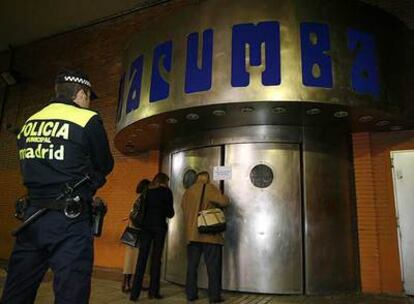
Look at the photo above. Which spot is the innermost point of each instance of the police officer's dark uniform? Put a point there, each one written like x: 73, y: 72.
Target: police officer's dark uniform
x: 58, y: 145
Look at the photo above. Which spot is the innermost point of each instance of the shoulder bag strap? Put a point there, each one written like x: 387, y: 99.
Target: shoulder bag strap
x: 202, y: 197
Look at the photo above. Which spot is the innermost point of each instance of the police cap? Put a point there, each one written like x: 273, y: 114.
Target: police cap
x: 75, y: 76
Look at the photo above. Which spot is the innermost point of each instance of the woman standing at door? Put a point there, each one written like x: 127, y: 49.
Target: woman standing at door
x: 131, y: 253
x: 158, y: 207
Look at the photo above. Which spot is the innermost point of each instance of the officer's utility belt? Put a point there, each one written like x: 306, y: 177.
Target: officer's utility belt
x: 54, y: 205
x: 71, y: 207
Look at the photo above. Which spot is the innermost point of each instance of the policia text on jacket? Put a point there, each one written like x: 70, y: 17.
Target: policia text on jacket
x: 43, y: 136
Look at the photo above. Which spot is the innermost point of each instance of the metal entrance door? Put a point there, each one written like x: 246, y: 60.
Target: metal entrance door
x: 184, y: 167
x: 263, y: 240
x: 263, y: 249
x: 403, y: 175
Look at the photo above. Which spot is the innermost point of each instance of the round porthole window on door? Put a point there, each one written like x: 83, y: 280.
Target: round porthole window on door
x: 261, y: 176
x: 189, y: 178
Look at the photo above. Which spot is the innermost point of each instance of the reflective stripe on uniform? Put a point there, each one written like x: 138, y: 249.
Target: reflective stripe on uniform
x: 61, y: 111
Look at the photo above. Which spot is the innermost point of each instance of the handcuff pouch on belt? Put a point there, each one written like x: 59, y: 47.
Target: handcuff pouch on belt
x: 20, y: 207
x: 74, y: 207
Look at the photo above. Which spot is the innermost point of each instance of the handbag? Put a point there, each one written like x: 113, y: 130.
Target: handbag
x: 210, y: 220
x: 130, y: 236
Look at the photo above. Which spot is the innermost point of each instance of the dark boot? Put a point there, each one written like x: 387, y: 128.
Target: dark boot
x: 126, y: 283
x: 129, y: 283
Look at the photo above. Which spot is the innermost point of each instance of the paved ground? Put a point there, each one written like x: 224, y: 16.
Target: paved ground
x: 105, y: 291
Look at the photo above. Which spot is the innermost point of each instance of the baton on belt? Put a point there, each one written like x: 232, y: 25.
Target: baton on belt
x: 40, y: 212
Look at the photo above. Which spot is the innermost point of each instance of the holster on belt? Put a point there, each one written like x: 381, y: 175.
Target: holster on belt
x: 99, y: 210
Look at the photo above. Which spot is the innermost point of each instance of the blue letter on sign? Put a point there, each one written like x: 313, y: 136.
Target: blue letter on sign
x: 198, y: 78
x: 160, y: 89
x: 364, y: 68
x: 120, y: 97
x: 264, y: 33
x: 135, y: 77
x: 316, y: 64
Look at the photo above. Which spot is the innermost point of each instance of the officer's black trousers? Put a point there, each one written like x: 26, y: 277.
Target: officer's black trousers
x: 156, y: 238
x: 213, y: 258
x: 66, y: 246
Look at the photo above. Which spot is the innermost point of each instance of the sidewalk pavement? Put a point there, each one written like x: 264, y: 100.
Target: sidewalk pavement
x: 108, y: 291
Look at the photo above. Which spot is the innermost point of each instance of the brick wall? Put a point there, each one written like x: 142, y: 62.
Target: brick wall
x: 366, y: 212
x: 378, y: 243
x: 98, y: 50
x: 10, y: 184
x: 119, y: 192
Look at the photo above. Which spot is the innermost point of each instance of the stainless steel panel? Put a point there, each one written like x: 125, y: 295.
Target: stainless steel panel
x: 329, y: 209
x: 203, y: 159
x: 328, y: 261
x: 221, y: 16
x: 403, y: 175
x: 245, y: 134
x: 262, y: 251
x: 264, y: 101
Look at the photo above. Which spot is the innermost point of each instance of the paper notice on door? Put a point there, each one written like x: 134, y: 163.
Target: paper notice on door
x: 222, y: 173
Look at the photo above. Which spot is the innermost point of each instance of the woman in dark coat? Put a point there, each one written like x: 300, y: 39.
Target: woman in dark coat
x: 131, y: 253
x: 158, y: 206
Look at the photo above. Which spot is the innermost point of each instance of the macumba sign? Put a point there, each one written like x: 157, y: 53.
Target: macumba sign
x: 247, y: 42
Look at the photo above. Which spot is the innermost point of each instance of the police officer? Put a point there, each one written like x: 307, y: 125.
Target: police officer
x: 58, y: 146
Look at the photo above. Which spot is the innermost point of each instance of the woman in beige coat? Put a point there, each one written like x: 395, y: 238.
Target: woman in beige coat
x: 131, y: 253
